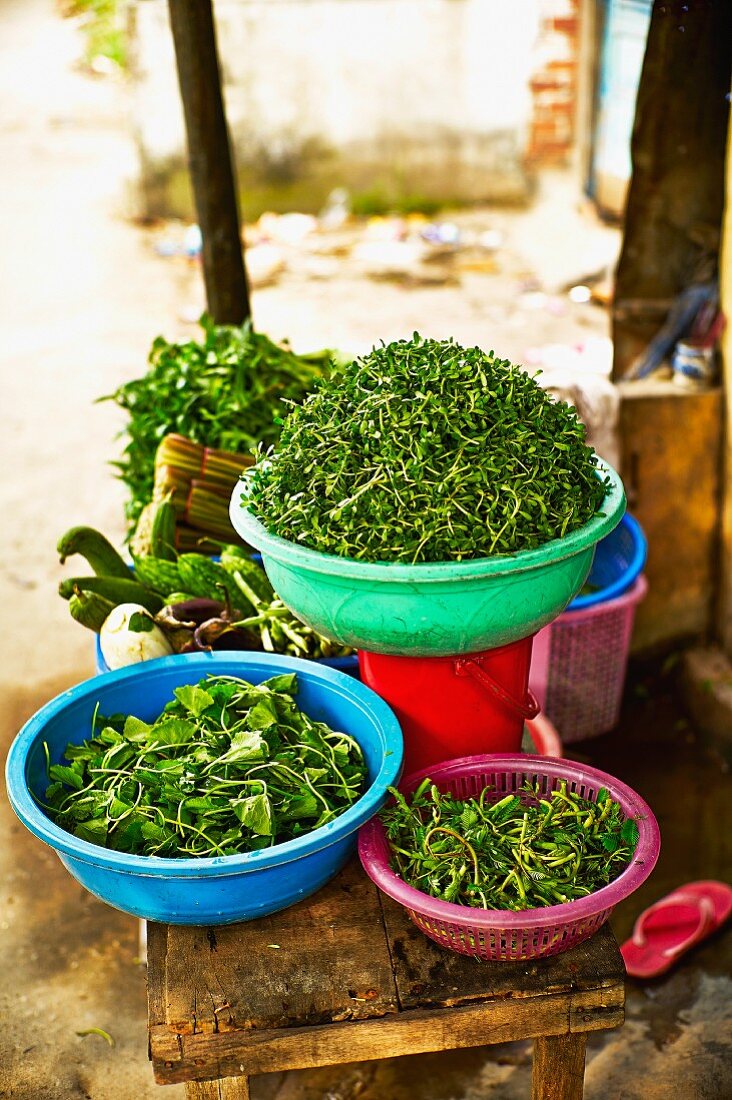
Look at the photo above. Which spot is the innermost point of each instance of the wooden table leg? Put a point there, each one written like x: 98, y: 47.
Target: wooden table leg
x: 559, y: 1067
x: 226, y: 1088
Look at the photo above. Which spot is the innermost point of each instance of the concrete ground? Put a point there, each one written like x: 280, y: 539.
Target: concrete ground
x: 83, y: 293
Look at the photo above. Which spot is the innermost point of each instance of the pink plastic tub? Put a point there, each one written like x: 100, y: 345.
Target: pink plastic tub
x: 579, y: 664
x: 500, y: 934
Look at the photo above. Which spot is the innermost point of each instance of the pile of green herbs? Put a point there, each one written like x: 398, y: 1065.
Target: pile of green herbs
x: 424, y: 451
x: 525, y: 851
x: 226, y: 392
x: 228, y: 767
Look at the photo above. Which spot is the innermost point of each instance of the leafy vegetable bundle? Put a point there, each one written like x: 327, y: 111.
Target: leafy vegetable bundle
x: 426, y: 451
x: 224, y: 392
x: 228, y: 767
x: 516, y: 853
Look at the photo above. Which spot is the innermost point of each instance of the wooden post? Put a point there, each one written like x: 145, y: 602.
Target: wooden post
x: 676, y: 196
x: 724, y: 619
x: 210, y: 160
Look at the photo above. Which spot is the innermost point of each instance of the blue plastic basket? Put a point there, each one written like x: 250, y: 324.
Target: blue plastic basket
x: 619, y: 561
x: 221, y: 889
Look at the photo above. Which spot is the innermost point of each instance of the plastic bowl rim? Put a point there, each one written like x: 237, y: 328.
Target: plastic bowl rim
x: 36, y: 821
x: 606, y: 898
x: 291, y: 554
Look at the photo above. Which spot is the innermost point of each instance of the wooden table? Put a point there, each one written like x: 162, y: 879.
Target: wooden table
x: 345, y: 976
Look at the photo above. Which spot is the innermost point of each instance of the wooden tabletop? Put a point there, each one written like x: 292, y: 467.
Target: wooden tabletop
x: 345, y: 976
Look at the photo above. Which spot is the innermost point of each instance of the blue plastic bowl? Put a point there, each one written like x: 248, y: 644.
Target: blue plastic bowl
x: 220, y: 889
x: 619, y: 561
x: 347, y: 664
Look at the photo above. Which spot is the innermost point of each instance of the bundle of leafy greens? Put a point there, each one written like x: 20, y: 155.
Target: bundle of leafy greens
x: 226, y: 392
x: 523, y: 851
x: 228, y: 767
x: 426, y: 451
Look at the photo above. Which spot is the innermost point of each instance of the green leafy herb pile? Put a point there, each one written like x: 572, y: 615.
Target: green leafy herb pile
x: 426, y: 451
x: 522, y: 852
x: 225, y: 392
x: 227, y: 768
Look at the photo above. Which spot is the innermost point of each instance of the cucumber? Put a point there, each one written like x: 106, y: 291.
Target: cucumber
x: 205, y: 578
x: 235, y: 561
x: 90, y: 609
x: 157, y: 573
x: 96, y: 548
x: 115, y: 589
x: 162, y: 531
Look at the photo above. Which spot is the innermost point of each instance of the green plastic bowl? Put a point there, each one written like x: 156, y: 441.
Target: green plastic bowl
x: 428, y: 609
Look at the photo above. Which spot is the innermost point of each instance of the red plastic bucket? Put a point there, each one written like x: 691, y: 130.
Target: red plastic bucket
x: 455, y: 706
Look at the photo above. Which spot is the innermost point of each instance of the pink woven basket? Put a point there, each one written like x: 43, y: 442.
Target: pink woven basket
x: 501, y: 934
x: 579, y: 663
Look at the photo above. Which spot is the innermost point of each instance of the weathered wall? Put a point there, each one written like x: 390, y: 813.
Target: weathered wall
x: 405, y: 99
x: 671, y: 444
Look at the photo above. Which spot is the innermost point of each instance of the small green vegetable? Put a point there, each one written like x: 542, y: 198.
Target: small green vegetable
x: 228, y: 767
x: 115, y: 589
x: 523, y: 851
x: 96, y: 1031
x: 90, y: 609
x: 96, y: 548
x: 426, y: 451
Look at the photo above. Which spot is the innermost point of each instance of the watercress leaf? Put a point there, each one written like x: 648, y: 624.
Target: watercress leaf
x: 79, y: 752
x: 127, y: 837
x: 286, y: 683
x: 94, y: 831
x: 117, y: 807
x: 172, y: 731
x: 135, y: 729
x: 262, y: 715
x: 255, y: 813
x: 110, y: 736
x: 140, y: 622
x: 305, y: 805
x: 194, y: 699
x: 69, y: 776
x: 245, y: 745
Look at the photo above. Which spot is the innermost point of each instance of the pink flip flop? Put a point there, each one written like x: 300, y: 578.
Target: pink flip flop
x: 673, y: 925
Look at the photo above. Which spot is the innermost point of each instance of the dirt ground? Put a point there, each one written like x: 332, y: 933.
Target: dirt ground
x: 83, y: 293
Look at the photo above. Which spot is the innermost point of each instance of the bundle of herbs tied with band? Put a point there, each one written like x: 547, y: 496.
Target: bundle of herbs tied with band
x: 201, y: 405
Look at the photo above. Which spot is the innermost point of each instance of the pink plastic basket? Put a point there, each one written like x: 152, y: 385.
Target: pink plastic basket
x: 579, y: 664
x: 501, y: 934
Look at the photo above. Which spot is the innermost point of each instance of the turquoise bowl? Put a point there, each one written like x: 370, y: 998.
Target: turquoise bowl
x: 432, y: 609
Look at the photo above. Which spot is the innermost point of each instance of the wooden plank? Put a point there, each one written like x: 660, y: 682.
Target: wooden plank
x: 671, y: 452
x: 427, y: 975
x: 227, y: 1088
x: 321, y: 961
x: 559, y: 1068
x: 157, y: 938
x: 179, y: 1057
x: 210, y: 160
